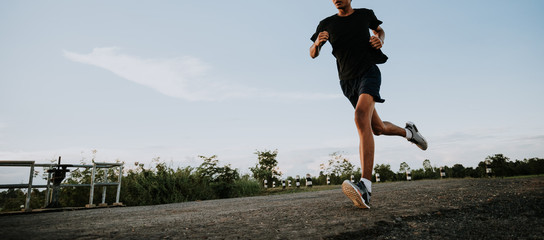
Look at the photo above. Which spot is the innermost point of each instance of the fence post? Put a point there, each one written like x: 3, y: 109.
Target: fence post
x: 308, y: 180
x: 91, y: 194
x: 488, y: 170
x: 48, y: 193
x: 29, y: 191
x: 377, y: 177
x: 117, y: 203
x: 104, y: 204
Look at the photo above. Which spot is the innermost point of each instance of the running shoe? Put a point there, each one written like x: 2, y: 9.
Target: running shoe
x: 357, y: 193
x: 417, y: 138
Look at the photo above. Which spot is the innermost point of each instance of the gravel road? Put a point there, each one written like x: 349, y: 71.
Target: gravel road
x: 428, y: 209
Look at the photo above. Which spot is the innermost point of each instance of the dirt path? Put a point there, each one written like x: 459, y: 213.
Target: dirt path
x: 447, y: 209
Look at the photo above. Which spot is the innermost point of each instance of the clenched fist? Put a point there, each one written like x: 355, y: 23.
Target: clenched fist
x: 376, y: 42
x: 322, y: 38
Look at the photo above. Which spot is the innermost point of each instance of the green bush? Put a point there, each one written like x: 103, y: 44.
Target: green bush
x: 166, y: 185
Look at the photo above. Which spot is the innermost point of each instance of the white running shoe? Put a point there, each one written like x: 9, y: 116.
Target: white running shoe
x: 358, y: 194
x: 417, y: 138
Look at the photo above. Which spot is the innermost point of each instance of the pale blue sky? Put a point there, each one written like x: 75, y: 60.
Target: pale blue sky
x: 137, y: 80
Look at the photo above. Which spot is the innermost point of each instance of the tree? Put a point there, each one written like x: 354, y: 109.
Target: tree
x: 385, y: 172
x: 427, y: 165
x: 221, y: 179
x: 481, y: 170
x: 500, y: 165
x: 339, y: 168
x: 429, y: 171
x: 458, y: 171
x: 208, y: 169
x: 404, y: 167
x: 418, y: 174
x: 471, y: 172
x: 535, y: 165
x: 266, y: 167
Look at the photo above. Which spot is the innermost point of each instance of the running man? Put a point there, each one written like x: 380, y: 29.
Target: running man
x: 357, y: 54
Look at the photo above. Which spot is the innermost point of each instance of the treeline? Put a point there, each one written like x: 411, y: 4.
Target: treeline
x: 339, y: 169
x: 160, y: 183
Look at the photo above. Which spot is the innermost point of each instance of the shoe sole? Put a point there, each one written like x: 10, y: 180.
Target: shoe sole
x: 423, y: 146
x: 353, y: 194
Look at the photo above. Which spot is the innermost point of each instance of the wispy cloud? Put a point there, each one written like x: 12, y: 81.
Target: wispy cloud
x: 176, y: 77
x: 184, y: 77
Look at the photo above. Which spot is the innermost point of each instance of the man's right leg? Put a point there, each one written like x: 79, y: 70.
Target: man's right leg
x: 410, y: 132
x: 380, y: 127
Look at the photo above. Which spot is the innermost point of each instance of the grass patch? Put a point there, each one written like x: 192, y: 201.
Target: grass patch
x: 289, y: 190
x: 525, y: 176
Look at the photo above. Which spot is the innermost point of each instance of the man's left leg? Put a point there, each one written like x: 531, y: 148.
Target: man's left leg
x: 364, y: 120
x: 368, y: 124
x: 360, y: 193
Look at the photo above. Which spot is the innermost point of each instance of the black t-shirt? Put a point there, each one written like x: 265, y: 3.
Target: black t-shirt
x: 349, y: 37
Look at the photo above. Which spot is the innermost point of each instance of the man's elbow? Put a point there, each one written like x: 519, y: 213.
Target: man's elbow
x: 379, y: 30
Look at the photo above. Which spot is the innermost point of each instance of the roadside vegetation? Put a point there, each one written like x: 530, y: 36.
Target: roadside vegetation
x: 161, y: 184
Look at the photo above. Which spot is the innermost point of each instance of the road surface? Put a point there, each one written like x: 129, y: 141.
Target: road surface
x: 426, y: 209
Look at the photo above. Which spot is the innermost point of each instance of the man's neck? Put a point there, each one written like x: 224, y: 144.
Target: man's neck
x: 344, y: 12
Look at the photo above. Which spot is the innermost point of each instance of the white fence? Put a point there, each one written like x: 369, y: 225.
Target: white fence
x: 95, y: 166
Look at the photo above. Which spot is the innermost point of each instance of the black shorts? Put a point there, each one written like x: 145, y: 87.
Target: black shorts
x: 369, y: 83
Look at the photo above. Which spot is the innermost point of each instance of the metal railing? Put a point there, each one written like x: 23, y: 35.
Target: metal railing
x: 30, y: 164
x: 95, y: 166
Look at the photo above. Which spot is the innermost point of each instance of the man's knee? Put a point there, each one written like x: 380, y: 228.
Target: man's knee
x: 362, y: 118
x: 363, y: 111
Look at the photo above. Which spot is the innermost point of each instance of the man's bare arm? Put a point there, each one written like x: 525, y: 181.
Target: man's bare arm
x: 316, y: 47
